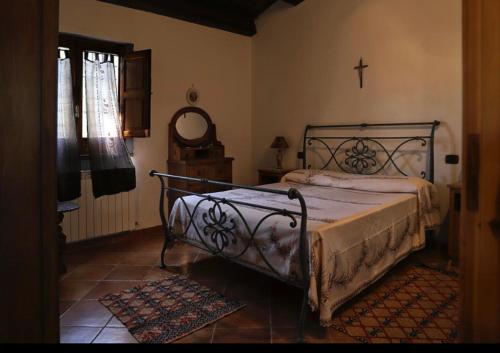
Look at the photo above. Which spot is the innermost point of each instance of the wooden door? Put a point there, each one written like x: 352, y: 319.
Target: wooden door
x: 28, y: 248
x: 480, y: 238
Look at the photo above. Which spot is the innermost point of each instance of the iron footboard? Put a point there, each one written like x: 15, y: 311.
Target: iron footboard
x: 218, y: 232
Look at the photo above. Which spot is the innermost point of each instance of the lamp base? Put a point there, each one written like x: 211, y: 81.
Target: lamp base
x: 279, y: 159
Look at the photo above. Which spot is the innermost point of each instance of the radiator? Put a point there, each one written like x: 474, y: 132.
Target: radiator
x: 99, y: 217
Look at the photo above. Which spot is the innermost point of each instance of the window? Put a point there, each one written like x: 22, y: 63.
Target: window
x: 132, y: 76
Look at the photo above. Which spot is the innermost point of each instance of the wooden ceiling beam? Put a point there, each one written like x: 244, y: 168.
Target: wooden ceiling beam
x: 194, y: 11
x: 229, y: 15
x: 258, y: 7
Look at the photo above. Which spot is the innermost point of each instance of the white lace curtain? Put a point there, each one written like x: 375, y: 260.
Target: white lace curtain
x: 68, y: 161
x: 110, y: 163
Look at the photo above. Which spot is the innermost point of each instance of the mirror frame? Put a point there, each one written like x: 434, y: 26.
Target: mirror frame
x: 205, y: 140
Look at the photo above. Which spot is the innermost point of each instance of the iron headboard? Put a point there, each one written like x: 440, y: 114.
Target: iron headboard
x: 358, y: 154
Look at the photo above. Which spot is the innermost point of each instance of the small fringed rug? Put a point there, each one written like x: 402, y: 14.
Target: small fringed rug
x: 419, y: 305
x: 167, y: 310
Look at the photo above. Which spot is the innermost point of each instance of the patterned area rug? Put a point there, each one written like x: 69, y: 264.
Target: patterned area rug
x: 167, y: 310
x: 419, y: 305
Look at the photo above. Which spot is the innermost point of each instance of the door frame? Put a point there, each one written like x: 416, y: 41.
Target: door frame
x: 28, y: 246
x: 46, y: 325
x: 479, y: 246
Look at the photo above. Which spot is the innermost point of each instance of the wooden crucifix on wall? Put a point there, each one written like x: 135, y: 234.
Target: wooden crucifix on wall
x: 360, y: 69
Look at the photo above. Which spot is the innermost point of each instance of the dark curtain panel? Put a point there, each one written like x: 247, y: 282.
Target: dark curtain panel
x: 68, y: 157
x: 110, y: 163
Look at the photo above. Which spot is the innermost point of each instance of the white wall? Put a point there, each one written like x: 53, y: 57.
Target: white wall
x: 297, y: 70
x: 303, y: 59
x: 216, y: 62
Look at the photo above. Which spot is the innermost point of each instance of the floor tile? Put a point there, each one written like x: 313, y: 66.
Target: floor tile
x: 65, y: 305
x: 128, y: 272
x: 179, y: 258
x: 290, y: 335
x: 74, y: 290
x: 70, y: 267
x: 247, y: 290
x: 86, y: 313
x: 156, y: 273
x: 216, y: 285
x: 279, y: 291
x: 134, y: 244
x: 141, y: 258
x: 114, y: 322
x: 213, y: 267
x: 339, y: 337
x: 104, y: 258
x: 90, y: 272
x: 181, y: 247
x: 272, y: 307
x: 285, y: 311
x: 78, y: 334
x: 203, y: 256
x: 237, y: 335
x: 73, y: 259
x: 150, y: 247
x: 284, y: 335
x: 254, y: 315
x: 115, y: 335
x: 201, y: 336
x: 107, y: 287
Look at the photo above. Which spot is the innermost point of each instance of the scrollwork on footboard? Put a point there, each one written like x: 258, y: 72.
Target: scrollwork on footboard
x: 217, y: 229
x: 221, y: 222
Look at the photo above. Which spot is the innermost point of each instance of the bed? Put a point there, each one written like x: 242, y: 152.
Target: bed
x: 331, y: 230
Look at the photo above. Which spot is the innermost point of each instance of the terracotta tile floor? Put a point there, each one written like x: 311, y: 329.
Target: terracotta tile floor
x: 270, y: 315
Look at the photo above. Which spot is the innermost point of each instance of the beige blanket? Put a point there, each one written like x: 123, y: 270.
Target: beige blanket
x: 358, y: 227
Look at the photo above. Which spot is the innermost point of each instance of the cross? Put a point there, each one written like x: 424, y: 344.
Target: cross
x: 360, y: 69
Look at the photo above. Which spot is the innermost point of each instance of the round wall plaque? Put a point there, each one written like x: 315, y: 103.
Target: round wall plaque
x: 192, y: 96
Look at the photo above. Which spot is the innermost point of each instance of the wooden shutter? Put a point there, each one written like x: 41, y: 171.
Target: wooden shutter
x: 135, y: 94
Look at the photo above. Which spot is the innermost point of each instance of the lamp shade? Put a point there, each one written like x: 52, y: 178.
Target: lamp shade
x: 279, y: 142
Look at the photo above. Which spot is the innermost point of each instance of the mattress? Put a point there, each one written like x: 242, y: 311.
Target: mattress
x: 357, y: 228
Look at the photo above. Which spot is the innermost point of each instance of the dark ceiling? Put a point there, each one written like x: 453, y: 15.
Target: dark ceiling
x: 236, y: 16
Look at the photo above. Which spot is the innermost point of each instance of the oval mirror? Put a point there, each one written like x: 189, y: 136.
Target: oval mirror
x: 191, y: 126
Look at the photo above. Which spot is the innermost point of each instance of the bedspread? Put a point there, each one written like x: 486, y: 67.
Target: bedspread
x: 357, y: 228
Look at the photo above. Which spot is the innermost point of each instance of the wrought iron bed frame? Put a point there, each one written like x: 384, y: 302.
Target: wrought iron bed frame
x: 360, y: 159
x: 218, y: 231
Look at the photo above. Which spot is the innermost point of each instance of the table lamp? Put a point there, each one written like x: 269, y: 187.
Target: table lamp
x: 280, y: 144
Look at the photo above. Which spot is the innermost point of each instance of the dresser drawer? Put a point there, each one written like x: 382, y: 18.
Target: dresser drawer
x: 216, y: 188
x: 199, y: 188
x: 223, y: 172
x: 203, y: 171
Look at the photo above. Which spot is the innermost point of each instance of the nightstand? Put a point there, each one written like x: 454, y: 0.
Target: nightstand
x: 454, y: 221
x: 272, y: 176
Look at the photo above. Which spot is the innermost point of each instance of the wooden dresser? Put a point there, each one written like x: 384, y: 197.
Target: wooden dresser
x: 194, y: 151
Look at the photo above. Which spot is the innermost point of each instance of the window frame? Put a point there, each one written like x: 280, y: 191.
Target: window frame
x: 77, y: 45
